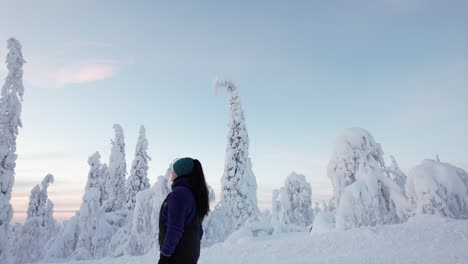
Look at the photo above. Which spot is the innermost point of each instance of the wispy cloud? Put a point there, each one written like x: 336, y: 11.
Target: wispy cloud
x: 74, y: 72
x: 78, y: 62
x: 85, y: 72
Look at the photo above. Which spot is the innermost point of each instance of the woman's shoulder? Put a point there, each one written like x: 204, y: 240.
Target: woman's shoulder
x: 181, y: 192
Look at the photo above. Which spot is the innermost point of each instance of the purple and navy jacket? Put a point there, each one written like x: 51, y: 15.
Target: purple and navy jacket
x: 178, y: 213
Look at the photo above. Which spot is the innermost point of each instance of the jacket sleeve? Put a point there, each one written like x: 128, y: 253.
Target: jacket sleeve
x: 175, y: 221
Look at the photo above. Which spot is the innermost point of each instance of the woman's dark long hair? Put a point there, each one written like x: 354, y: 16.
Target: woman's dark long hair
x: 200, y: 190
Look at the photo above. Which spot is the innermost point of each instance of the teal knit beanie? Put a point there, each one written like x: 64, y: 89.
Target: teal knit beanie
x: 183, y: 166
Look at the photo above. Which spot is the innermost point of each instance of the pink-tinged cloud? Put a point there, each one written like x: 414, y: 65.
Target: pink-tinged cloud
x: 85, y: 72
x: 51, y: 76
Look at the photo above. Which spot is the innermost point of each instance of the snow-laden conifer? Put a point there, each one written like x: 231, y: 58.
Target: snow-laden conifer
x: 40, y: 226
x: 292, y: 204
x: 140, y: 234
x: 115, y: 184
x: 238, y: 201
x: 438, y: 188
x: 10, y: 122
x: 138, y: 179
x: 396, y: 174
x: 364, y: 194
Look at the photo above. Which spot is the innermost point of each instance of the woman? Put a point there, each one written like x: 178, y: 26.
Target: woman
x: 182, y: 213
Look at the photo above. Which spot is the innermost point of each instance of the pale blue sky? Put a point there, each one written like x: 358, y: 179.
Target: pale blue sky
x: 305, y: 70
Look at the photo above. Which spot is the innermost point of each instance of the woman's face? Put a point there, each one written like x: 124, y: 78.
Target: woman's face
x: 173, y: 175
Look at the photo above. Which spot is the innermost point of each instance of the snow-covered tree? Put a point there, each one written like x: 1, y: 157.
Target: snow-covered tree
x: 105, y: 176
x: 65, y: 243
x: 145, y: 228
x: 40, y: 226
x: 352, y: 147
x: 292, y: 204
x: 103, y: 210
x: 211, y: 195
x: 93, y: 199
x: 317, y: 208
x: 138, y: 179
x: 396, y: 175
x: 115, y: 184
x: 113, y: 214
x: 76, y: 240
x: 325, y: 207
x: 97, y: 176
x: 300, y: 195
x: 10, y: 122
x: 34, y: 200
x: 280, y: 206
x: 439, y: 188
x: 363, y: 192
x: 239, y: 187
x: 141, y: 233
x: 87, y: 224
x: 15, y: 236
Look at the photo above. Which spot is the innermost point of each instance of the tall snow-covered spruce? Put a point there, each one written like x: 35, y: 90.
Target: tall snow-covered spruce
x: 115, y: 184
x: 10, y: 122
x: 238, y: 201
x: 364, y: 194
x: 113, y: 214
x: 138, y: 179
x: 93, y: 199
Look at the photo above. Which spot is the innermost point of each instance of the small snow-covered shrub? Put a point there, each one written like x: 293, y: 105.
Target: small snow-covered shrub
x: 251, y: 229
x: 323, y: 222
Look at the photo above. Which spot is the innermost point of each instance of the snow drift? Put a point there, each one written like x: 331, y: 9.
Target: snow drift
x: 423, y: 239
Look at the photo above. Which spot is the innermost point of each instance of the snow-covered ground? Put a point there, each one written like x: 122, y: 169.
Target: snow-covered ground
x: 423, y: 239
